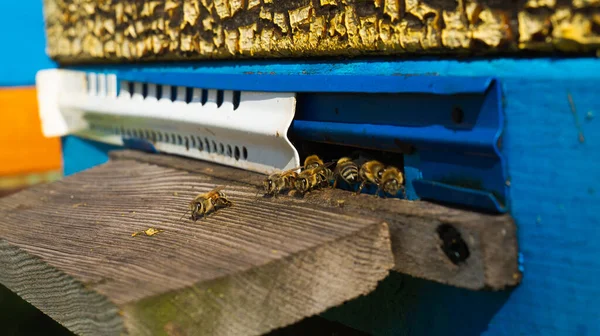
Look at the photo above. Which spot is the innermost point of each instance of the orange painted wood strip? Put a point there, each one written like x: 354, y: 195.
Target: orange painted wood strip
x: 23, y: 147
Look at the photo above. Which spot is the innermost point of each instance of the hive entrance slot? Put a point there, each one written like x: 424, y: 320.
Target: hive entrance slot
x: 332, y: 152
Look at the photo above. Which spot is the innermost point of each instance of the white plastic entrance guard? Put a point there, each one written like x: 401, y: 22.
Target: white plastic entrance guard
x: 247, y: 130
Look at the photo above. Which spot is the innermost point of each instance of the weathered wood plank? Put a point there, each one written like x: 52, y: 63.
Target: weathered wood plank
x: 491, y: 240
x: 67, y: 248
x: 84, y: 31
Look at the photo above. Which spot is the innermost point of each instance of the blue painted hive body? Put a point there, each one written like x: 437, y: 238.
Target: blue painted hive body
x: 549, y: 149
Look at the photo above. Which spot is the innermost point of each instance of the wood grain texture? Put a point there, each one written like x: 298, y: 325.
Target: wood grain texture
x: 84, y: 31
x: 416, y: 245
x: 67, y: 248
x: 59, y: 295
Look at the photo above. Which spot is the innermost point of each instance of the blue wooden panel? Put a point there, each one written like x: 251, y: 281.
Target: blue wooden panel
x: 305, y: 83
x: 24, y: 42
x: 554, y: 192
x: 81, y: 154
x: 263, y: 75
x: 552, y: 158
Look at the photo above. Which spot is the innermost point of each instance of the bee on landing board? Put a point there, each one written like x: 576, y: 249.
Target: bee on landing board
x: 391, y: 182
x: 370, y: 172
x: 347, y: 170
x: 278, y: 182
x: 325, y: 174
x: 307, y: 180
x: 310, y: 179
x: 205, y: 204
x: 312, y: 161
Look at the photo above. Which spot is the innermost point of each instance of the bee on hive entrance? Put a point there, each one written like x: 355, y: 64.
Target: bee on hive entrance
x: 278, y: 182
x: 391, y: 182
x: 312, y: 161
x: 347, y: 170
x: 325, y: 175
x: 310, y: 179
x: 370, y: 173
x: 307, y: 180
x: 204, y: 204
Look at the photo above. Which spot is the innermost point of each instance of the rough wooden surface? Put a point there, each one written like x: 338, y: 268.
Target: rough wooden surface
x: 67, y: 248
x: 416, y: 243
x: 85, y: 30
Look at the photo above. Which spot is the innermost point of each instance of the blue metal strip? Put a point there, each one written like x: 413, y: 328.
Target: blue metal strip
x: 139, y: 144
x: 446, y: 193
x: 266, y: 82
x: 450, y: 160
x: 392, y: 138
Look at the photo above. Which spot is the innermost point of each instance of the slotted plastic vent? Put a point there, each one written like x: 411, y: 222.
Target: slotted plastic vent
x: 241, y: 129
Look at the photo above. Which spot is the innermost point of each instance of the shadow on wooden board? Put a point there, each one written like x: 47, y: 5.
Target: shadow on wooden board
x: 397, y: 301
x: 19, y: 318
x: 420, y: 307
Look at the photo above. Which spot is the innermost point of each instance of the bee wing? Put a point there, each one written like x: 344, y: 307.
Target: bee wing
x: 321, y: 168
x: 213, y: 192
x: 329, y: 164
x: 217, y: 189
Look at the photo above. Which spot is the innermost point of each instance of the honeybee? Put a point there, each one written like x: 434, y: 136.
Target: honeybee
x: 310, y: 179
x: 204, y: 204
x: 347, y: 170
x: 307, y: 180
x: 277, y: 182
x: 391, y: 181
x: 312, y: 161
x: 325, y: 174
x: 370, y: 172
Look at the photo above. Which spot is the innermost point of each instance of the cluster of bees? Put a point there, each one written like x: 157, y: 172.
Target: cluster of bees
x: 314, y: 174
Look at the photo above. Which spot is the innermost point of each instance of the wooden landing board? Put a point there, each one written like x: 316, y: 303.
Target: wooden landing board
x: 67, y: 248
x: 417, y: 245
